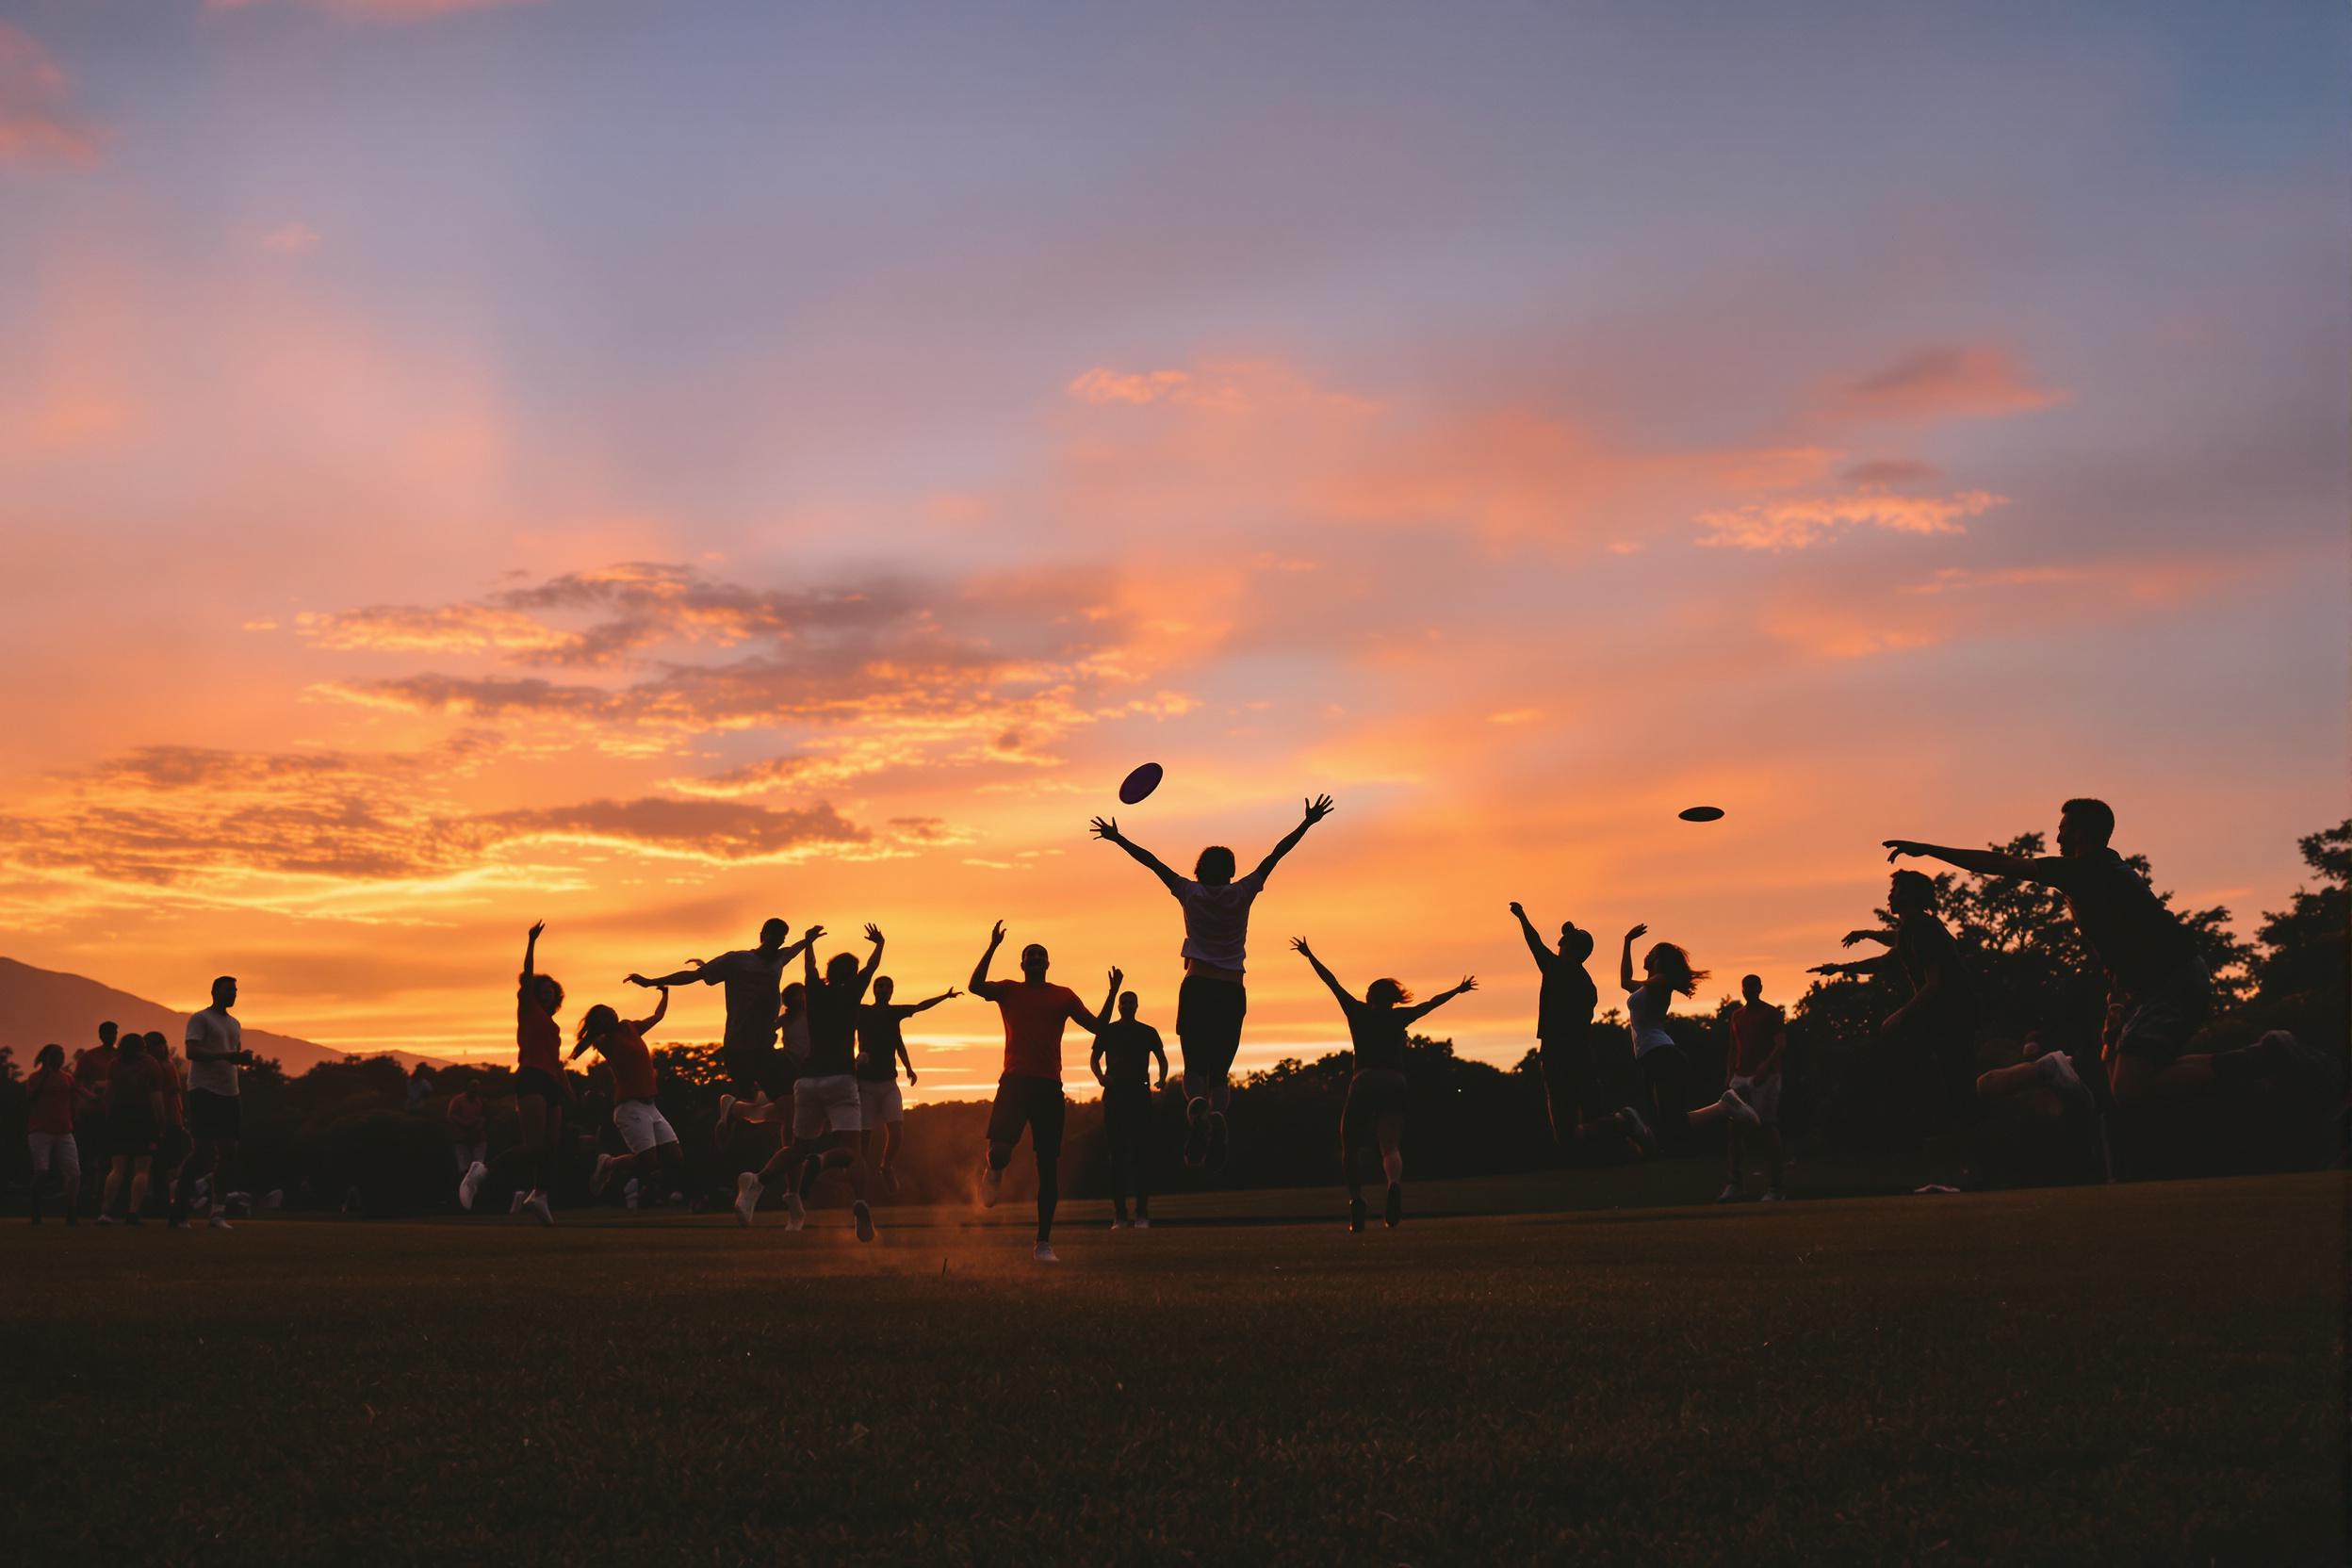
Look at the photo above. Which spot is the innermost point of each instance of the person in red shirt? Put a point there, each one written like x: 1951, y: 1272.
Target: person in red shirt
x: 53, y: 1095
x: 622, y: 1044
x: 541, y: 1090
x: 1029, y: 1094
x: 134, y: 1127
x: 1759, y: 1038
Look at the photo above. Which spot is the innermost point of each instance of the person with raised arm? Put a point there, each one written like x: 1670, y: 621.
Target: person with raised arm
x: 753, y: 977
x: 1563, y: 1025
x: 1213, y: 999
x: 826, y: 1102
x: 542, y: 1091
x: 1122, y: 1063
x: 652, y: 1141
x: 1376, y: 1026
x: 1029, y: 1092
x: 1938, y: 1020
x: 881, y: 1052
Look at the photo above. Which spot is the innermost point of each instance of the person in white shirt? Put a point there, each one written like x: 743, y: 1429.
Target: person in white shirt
x: 1213, y: 999
x: 216, y: 1049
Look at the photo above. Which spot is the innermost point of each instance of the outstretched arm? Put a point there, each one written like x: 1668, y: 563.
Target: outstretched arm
x: 531, y: 947
x: 1300, y: 944
x: 1316, y: 809
x: 686, y: 976
x: 1106, y: 828
x: 1625, y: 958
x: 980, y: 969
x: 947, y: 995
x: 1856, y: 966
x: 1544, y: 955
x: 1876, y: 933
x: 1469, y: 983
x: 1985, y: 862
x: 1094, y: 1023
x: 661, y: 1011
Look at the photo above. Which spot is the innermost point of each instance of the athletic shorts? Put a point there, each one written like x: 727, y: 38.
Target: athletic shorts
x: 1763, y: 1094
x: 878, y: 1101
x: 643, y: 1126
x: 55, y: 1151
x: 537, y: 1081
x: 767, y: 1068
x: 1036, y: 1104
x: 215, y: 1118
x: 2157, y: 1027
x: 827, y: 1102
x: 1208, y: 1023
x: 1376, y: 1091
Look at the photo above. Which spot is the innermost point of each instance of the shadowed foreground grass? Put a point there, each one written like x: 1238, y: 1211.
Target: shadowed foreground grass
x: 2135, y: 1374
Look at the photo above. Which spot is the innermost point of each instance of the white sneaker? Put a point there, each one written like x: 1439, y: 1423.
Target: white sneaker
x: 1773, y: 1195
x: 536, y: 1205
x: 2056, y: 1068
x: 516, y: 1206
x: 795, y: 1212
x: 748, y: 1191
x: 603, y: 1177
x: 469, y: 1184
x: 1143, y: 1222
x: 218, y: 1221
x: 1740, y: 1110
x: 105, y: 1219
x: 631, y: 1193
x: 1731, y: 1193
x: 991, y: 1183
x: 1122, y: 1224
x: 1045, y: 1252
x: 726, y: 1114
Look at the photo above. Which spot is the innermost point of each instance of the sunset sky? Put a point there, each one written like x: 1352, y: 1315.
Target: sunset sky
x: 654, y: 466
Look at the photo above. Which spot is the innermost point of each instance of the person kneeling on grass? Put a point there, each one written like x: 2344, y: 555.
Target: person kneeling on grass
x: 635, y: 1117
x: 1376, y: 1095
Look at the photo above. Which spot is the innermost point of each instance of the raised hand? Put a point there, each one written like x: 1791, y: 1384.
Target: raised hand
x: 537, y: 927
x: 1299, y: 945
x: 996, y: 937
x: 1518, y: 909
x: 952, y: 994
x: 1637, y: 932
x: 1469, y: 983
x: 1852, y: 936
x: 809, y: 937
x: 1318, y: 808
x: 873, y: 932
x: 1118, y: 974
x: 1827, y: 969
x: 638, y: 980
x: 1105, y: 828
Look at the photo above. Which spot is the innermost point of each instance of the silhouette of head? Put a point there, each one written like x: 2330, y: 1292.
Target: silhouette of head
x: 1385, y: 992
x: 1910, y: 893
x: 224, y: 991
x: 105, y: 1032
x: 1575, y: 944
x: 550, y: 994
x: 1751, y: 986
x: 1033, y: 961
x: 1670, y: 966
x: 884, y: 988
x: 1127, y: 1006
x: 1215, y: 868
x: 772, y: 935
x: 795, y: 998
x: 130, y: 1050
x: 51, y: 1056
x: 2084, y: 826
x: 596, y: 1023
x: 841, y: 969
x: 156, y: 1046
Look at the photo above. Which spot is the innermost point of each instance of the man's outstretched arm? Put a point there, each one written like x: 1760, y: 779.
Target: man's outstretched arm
x: 1544, y: 955
x: 1318, y: 808
x: 1983, y: 862
x: 1106, y: 828
x: 1094, y: 1023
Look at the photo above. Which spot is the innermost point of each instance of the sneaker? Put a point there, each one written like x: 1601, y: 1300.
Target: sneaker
x: 516, y: 1206
x: 469, y: 1184
x: 1197, y: 1131
x: 2056, y: 1068
x: 1355, y: 1216
x: 1121, y: 1223
x: 1045, y: 1252
x: 1393, y: 1212
x: 1740, y: 1110
x: 218, y: 1221
x: 795, y: 1212
x: 630, y: 1194
x: 1143, y: 1222
x: 726, y: 1115
x: 1773, y: 1195
x: 1731, y: 1193
x: 862, y: 1218
x: 991, y: 1183
x: 1218, y: 1146
x: 536, y: 1205
x: 1636, y: 1130
x: 603, y: 1178
x: 747, y: 1198
x: 105, y: 1219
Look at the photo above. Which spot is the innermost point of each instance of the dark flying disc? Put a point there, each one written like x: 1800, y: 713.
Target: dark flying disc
x: 1140, y: 783
x: 1701, y: 813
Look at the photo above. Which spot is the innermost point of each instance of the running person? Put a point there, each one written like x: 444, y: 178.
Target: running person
x: 1123, y: 1054
x: 1376, y: 1023
x: 542, y: 1091
x: 1759, y: 1038
x: 216, y: 1049
x: 134, y: 1128
x: 1211, y: 1001
x: 825, y: 1102
x: 52, y: 1096
x: 1029, y: 1092
x: 652, y: 1143
x: 753, y: 977
x: 1563, y: 1025
x: 881, y: 1052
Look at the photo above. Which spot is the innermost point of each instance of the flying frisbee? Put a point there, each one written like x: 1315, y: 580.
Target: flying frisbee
x: 1701, y: 813
x: 1140, y: 783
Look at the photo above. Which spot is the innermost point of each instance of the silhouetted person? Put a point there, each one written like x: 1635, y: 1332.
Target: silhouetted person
x: 467, y: 1117
x: 753, y: 978
x: 826, y: 1108
x: 134, y: 1128
x: 2159, y: 988
x: 881, y: 1052
x: 1029, y: 1092
x: 542, y: 1091
x: 171, y: 1154
x: 216, y: 1049
x: 1760, y: 1039
x: 1377, y: 1025
x: 651, y: 1141
x: 51, y: 1095
x: 774, y: 1102
x: 1939, y: 1019
x: 1213, y: 1000
x: 1121, y: 1061
x: 93, y: 1066
x: 1563, y: 1025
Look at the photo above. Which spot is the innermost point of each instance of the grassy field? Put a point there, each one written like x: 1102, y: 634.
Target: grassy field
x: 2135, y: 1374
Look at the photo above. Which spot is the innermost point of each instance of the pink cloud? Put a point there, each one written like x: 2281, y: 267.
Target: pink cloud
x: 36, y: 123
x: 1794, y: 524
x: 292, y: 240
x: 1946, y: 381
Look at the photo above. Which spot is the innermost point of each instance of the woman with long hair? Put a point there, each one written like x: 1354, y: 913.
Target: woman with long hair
x: 52, y: 1096
x: 652, y: 1142
x: 541, y: 1090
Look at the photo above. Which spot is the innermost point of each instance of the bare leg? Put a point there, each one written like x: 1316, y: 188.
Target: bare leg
x: 1392, y: 1136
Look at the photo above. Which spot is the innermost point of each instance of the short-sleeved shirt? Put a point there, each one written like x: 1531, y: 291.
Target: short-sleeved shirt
x: 1216, y: 919
x: 538, y: 1041
x: 754, y: 978
x: 2138, y: 941
x: 1378, y: 1034
x: 95, y: 1066
x: 51, y: 1095
x: 833, y: 1026
x: 1753, y: 1031
x: 1925, y: 948
x: 1563, y: 1009
x: 1034, y: 1012
x: 133, y: 1081
x: 215, y: 1029
x: 1128, y: 1046
x: 625, y: 1052
x: 1645, y: 1017
x: 880, y: 1039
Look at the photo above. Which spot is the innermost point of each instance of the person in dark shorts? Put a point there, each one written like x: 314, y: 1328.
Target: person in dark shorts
x: 216, y: 1049
x: 1029, y: 1092
x: 825, y: 1103
x: 1563, y: 1025
x: 134, y: 1128
x: 753, y: 978
x: 1212, y: 1002
x: 1377, y: 1024
x: 2159, y: 987
x: 1123, y: 1054
x: 542, y: 1091
x: 171, y: 1153
x: 881, y: 1052
x: 778, y: 1071
x: 1938, y: 1022
x: 92, y: 1068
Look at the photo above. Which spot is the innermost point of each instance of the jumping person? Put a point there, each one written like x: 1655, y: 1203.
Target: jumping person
x: 134, y: 1128
x: 216, y: 1049
x: 542, y: 1091
x: 753, y: 977
x: 1759, y: 1038
x: 881, y: 1052
x: 51, y: 1095
x: 1121, y: 1062
x: 1666, y: 971
x: 1377, y: 1024
x: 652, y: 1143
x: 1029, y: 1091
x: 1939, y: 1019
x: 1563, y: 1025
x: 1211, y: 1001
x: 774, y: 1102
x: 825, y: 1102
x: 465, y: 1114
x: 2159, y: 987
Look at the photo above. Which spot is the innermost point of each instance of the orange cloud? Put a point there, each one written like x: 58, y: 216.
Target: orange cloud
x: 1785, y: 525
x: 1946, y: 381
x: 37, y: 121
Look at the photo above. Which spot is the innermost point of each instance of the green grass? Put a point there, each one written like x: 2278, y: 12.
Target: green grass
x: 2135, y: 1374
